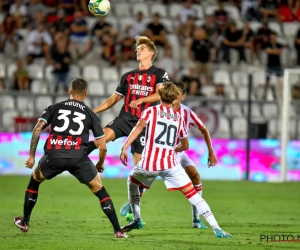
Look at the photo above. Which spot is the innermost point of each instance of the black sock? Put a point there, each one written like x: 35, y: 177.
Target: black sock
x: 31, y: 196
x: 108, y: 208
x: 90, y: 147
x: 141, y: 190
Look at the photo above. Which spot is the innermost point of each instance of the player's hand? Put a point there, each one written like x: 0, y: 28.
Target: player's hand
x: 136, y: 103
x: 30, y: 162
x: 99, y: 167
x: 212, y: 160
x: 124, y: 157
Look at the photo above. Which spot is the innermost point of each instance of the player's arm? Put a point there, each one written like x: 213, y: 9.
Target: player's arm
x: 34, y: 142
x: 149, y: 99
x: 184, y: 145
x: 130, y: 139
x: 196, y: 121
x: 183, y: 136
x: 101, y: 145
x: 108, y: 103
x: 114, y: 98
x: 99, y: 142
x: 161, y: 78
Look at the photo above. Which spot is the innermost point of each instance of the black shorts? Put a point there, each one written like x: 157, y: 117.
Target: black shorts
x: 122, y: 127
x: 81, y: 168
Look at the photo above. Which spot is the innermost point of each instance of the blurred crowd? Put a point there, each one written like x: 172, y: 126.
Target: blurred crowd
x: 58, y: 32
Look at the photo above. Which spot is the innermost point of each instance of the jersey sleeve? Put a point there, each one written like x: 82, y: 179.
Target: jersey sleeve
x: 46, y: 115
x: 146, y: 115
x: 182, y: 131
x: 96, y: 127
x: 121, y: 88
x: 162, y: 77
x: 195, y: 120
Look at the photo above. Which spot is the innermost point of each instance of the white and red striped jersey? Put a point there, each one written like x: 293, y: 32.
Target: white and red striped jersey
x: 164, y: 127
x: 190, y: 118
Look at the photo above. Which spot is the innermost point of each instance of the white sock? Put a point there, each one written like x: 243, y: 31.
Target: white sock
x: 195, y: 213
x: 202, y: 207
x: 134, y: 199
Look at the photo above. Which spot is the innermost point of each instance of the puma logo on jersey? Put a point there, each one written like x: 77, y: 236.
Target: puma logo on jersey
x: 63, y: 142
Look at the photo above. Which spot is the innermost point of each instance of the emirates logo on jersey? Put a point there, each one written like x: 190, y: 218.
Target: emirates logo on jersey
x: 137, y: 89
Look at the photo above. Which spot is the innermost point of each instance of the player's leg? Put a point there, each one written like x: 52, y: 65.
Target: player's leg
x: 194, y: 176
x: 45, y: 170
x: 85, y: 171
x: 137, y: 148
x: 177, y: 179
x: 138, y: 177
x: 112, y: 131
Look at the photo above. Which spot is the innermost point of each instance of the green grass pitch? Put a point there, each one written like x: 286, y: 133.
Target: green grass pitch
x: 68, y: 216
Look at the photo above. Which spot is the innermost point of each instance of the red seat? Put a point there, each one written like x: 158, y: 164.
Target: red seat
x: 298, y: 15
x: 286, y: 14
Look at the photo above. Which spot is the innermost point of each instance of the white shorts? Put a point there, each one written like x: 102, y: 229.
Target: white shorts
x: 184, y: 160
x: 174, y: 178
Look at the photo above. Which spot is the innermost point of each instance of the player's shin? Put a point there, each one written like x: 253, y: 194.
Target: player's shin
x: 202, y: 207
x: 198, y: 188
x: 31, y: 196
x: 108, y: 208
x: 134, y: 199
x: 142, y: 191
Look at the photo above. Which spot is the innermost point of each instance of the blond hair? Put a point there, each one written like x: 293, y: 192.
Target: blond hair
x: 150, y: 45
x: 168, y: 93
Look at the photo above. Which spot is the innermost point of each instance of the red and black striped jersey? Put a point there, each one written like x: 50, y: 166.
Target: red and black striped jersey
x: 137, y: 84
x: 70, y: 123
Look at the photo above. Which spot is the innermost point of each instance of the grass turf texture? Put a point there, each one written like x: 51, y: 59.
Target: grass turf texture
x: 68, y: 216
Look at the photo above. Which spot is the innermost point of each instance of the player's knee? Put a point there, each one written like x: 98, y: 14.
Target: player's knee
x: 38, y: 175
x: 130, y: 183
x: 95, y: 187
x: 195, y: 178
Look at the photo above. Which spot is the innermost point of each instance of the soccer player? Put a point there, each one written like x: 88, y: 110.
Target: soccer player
x: 66, y: 150
x: 190, y: 119
x: 164, y: 127
x: 139, y: 89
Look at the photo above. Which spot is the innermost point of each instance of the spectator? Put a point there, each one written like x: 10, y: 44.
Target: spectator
x: 39, y: 17
x: 274, y: 51
x: 137, y: 27
x: 79, y: 36
x: 214, y: 35
x: 52, y: 5
x: 21, y: 77
x: 39, y: 42
x: 69, y: 7
x: 200, y: 54
x: 19, y: 11
x: 169, y: 64
x: 221, y: 17
x: 127, y: 49
x: 36, y: 6
x: 297, y: 47
x: 249, y: 39
x: 186, y: 30
x: 2, y: 85
x: 233, y: 40
x: 157, y: 32
x: 61, y: 60
x: 269, y: 8
x: 249, y: 9
x: 186, y: 11
x: 109, y: 50
x: 9, y: 34
x: 5, y: 5
x: 60, y: 25
x: 102, y: 27
x: 194, y: 88
x: 262, y: 38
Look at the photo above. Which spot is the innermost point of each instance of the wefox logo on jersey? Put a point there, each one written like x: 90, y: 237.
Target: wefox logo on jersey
x: 137, y: 89
x: 63, y: 142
